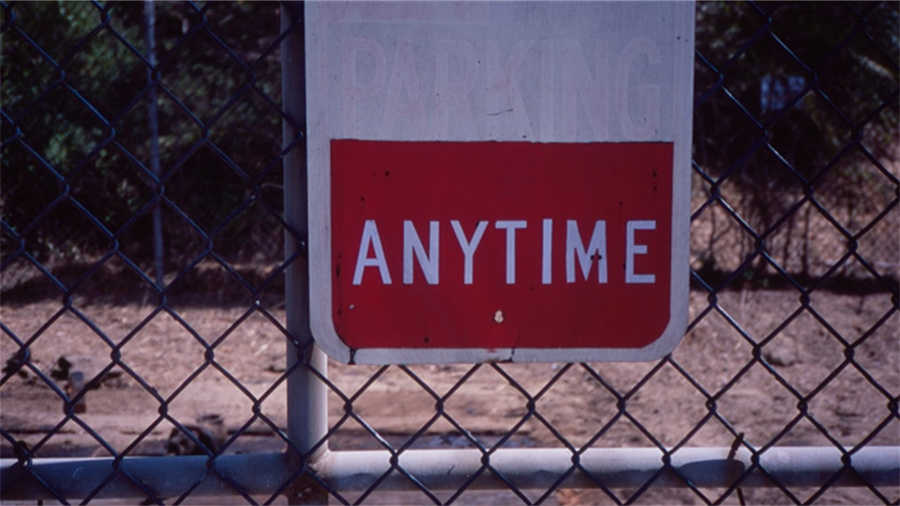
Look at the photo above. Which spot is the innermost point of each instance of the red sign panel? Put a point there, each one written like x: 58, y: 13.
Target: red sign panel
x: 500, y: 245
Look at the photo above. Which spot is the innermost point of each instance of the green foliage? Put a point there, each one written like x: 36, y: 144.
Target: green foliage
x: 796, y: 128
x: 845, y: 55
x: 76, y: 100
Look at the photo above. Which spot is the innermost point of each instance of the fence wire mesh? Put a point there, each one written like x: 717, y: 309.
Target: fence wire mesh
x: 143, y: 274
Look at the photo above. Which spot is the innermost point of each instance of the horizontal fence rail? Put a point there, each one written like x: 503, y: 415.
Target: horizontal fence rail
x: 539, y: 469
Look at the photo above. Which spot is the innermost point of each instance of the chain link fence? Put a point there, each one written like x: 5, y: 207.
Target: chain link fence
x: 152, y: 348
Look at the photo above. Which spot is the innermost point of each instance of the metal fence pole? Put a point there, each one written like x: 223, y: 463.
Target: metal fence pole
x: 307, y: 403
x: 153, y: 113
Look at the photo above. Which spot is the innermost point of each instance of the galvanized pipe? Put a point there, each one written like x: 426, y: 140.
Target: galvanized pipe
x: 307, y: 396
x: 164, y: 477
x: 614, y: 467
x: 262, y: 474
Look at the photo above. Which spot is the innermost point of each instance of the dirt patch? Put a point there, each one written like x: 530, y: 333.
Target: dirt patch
x: 184, y: 362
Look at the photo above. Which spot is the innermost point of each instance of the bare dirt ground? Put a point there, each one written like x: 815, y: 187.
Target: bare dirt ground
x: 850, y: 403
